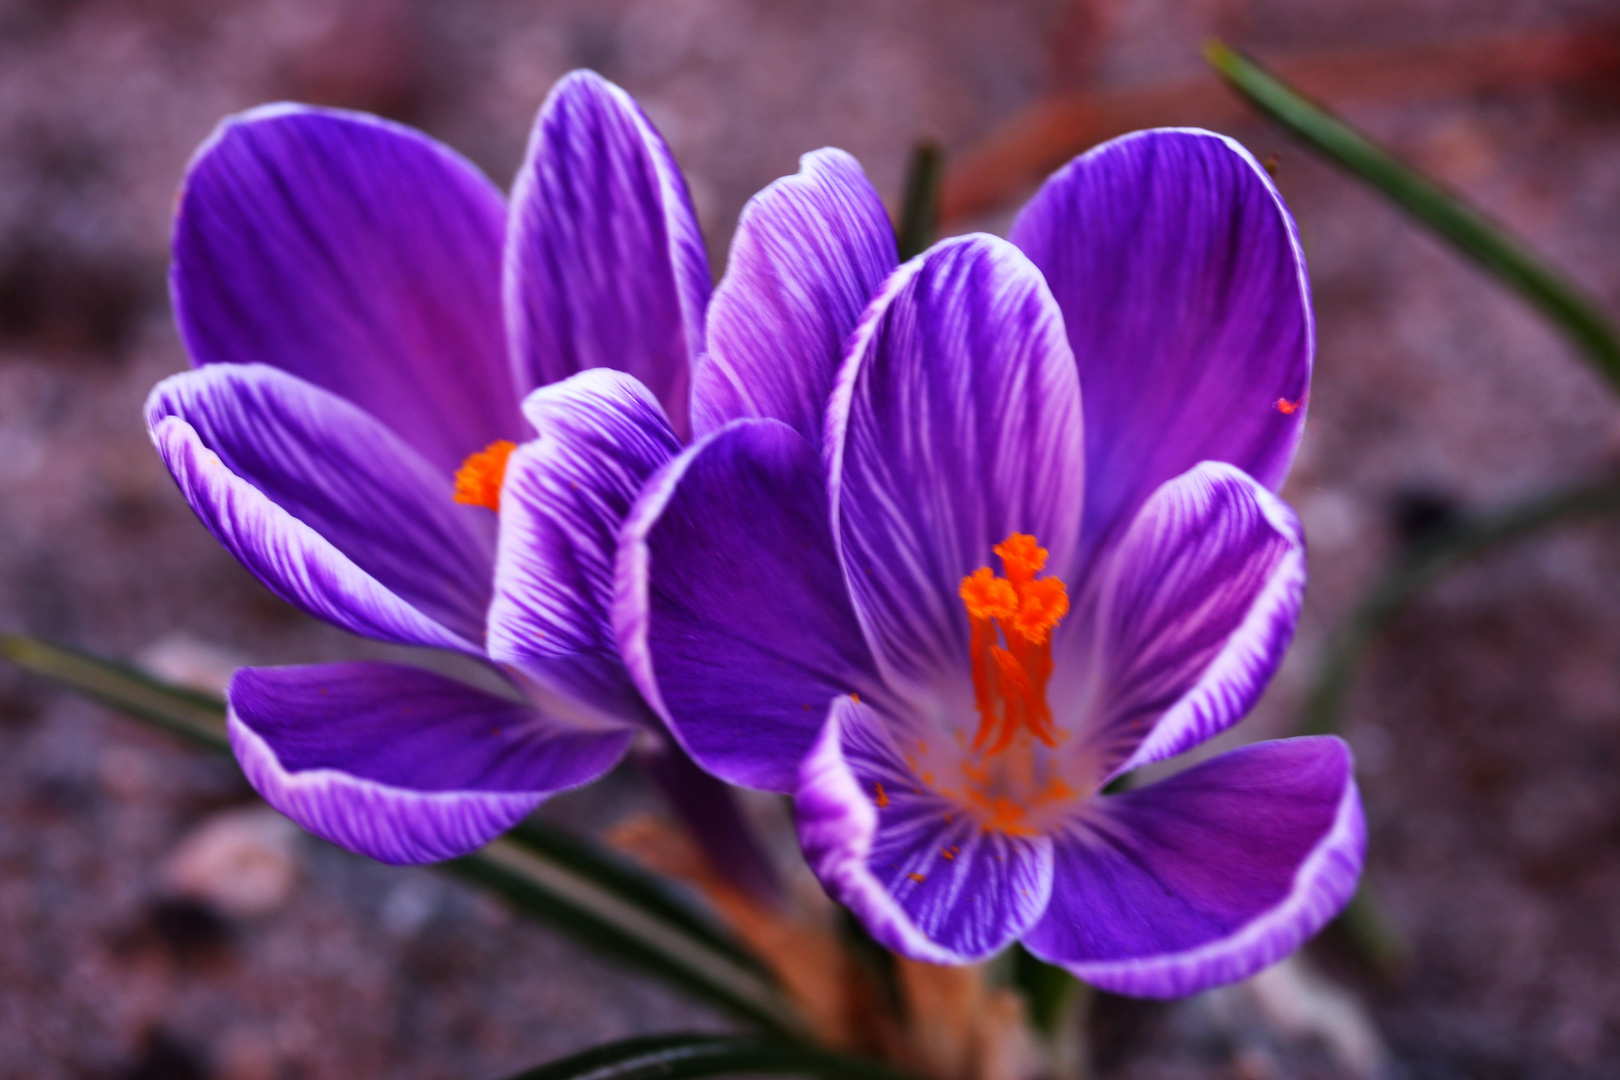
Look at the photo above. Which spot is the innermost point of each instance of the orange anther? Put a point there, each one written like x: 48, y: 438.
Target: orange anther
x: 987, y: 596
x: 1288, y: 408
x: 1021, y: 556
x: 1041, y: 606
x: 478, y: 481
x: 882, y: 796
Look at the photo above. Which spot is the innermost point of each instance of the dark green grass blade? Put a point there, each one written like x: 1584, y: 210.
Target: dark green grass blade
x: 1465, y: 228
x: 683, y: 1057
x: 1367, y: 927
x: 1425, y: 562
x: 593, y: 896
x: 1049, y: 992
x: 919, y: 212
x: 196, y: 717
x: 647, y: 890
x: 615, y: 926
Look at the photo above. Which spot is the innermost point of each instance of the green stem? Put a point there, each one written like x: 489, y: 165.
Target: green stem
x: 919, y: 212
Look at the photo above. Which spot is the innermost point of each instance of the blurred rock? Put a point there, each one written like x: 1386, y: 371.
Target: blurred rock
x: 186, y: 661
x: 243, y: 862
x: 1301, y: 1004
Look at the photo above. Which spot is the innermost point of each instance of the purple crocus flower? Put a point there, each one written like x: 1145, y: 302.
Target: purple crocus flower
x: 1015, y: 539
x: 374, y: 331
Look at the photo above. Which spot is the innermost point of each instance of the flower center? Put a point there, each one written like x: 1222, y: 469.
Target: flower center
x: 478, y: 481
x: 1012, y: 620
x: 1011, y: 650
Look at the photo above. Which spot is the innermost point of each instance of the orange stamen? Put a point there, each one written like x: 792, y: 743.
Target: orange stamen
x: 1022, y: 558
x: 1011, y: 620
x: 1041, y: 607
x: 478, y: 481
x: 987, y: 596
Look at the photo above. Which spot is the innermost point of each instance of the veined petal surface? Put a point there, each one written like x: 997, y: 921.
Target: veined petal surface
x: 956, y: 421
x: 565, y: 497
x: 399, y: 763
x: 358, y: 255
x: 325, y: 505
x: 1208, y: 876
x: 809, y: 253
x: 1189, y: 617
x: 605, y: 266
x: 731, y: 613
x: 926, y: 879
x: 1185, y: 297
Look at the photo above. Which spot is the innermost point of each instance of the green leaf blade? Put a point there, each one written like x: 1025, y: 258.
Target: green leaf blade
x: 196, y: 717
x: 1487, y: 244
x: 919, y: 210
x: 591, y: 895
x: 615, y: 926
x: 689, y: 1057
x: 630, y: 881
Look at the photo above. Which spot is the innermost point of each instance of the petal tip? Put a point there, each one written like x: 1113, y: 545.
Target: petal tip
x: 1322, y: 886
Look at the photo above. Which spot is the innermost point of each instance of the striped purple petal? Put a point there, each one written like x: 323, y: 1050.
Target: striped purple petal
x: 358, y: 255
x: 325, y: 505
x: 732, y: 614
x: 565, y: 498
x: 925, y: 878
x: 1209, y: 876
x: 956, y: 421
x: 809, y: 253
x: 1190, y: 616
x: 401, y: 764
x: 605, y: 266
x: 1185, y: 297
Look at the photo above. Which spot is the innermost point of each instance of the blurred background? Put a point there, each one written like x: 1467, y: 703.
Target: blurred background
x: 156, y: 924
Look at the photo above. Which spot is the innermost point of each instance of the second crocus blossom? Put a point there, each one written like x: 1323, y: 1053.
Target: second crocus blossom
x: 378, y: 338
x: 1030, y: 545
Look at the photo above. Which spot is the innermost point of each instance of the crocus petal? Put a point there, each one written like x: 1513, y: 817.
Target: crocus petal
x: 924, y: 878
x: 1194, y: 609
x: 731, y: 611
x: 400, y: 764
x: 809, y: 253
x: 1184, y: 293
x: 955, y: 421
x: 359, y: 255
x: 324, y: 504
x: 605, y: 266
x: 1209, y: 876
x: 602, y: 434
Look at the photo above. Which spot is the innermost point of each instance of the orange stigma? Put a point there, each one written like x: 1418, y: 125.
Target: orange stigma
x: 478, y: 481
x: 1012, y: 620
